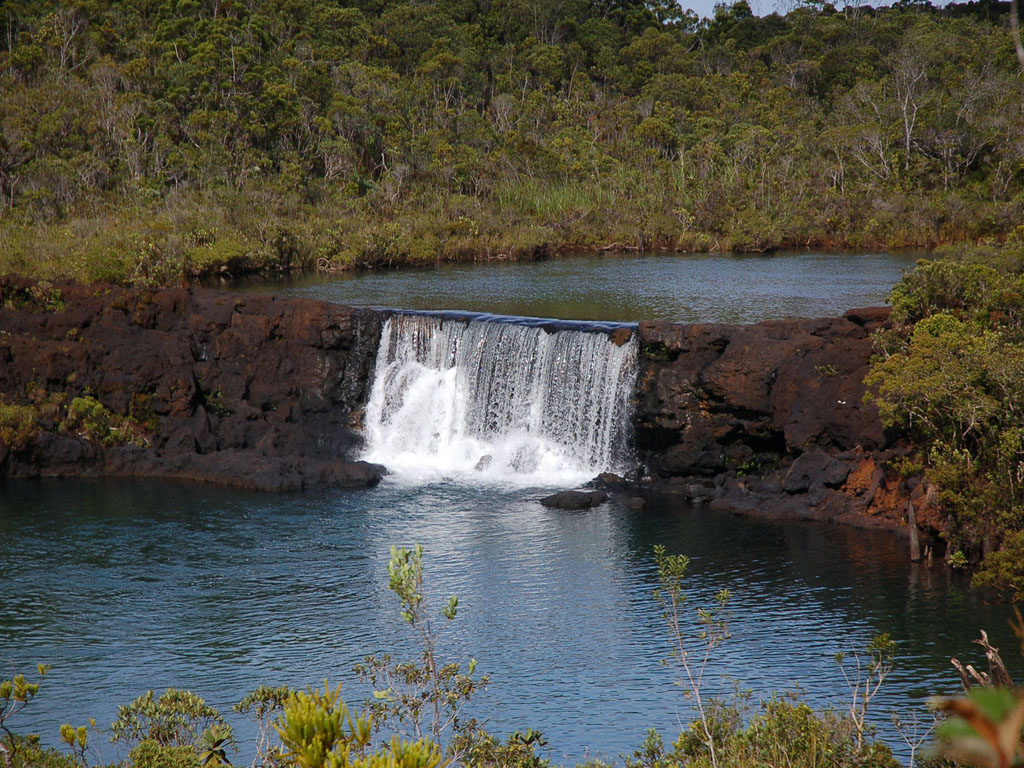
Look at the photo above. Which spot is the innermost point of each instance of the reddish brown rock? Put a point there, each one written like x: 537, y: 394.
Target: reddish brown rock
x: 251, y: 391
x: 767, y: 419
x: 713, y: 397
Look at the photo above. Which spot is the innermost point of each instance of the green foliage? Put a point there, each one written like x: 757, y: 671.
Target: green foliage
x: 315, y: 725
x: 693, y: 652
x: 213, y: 746
x: 951, y: 374
x: 1003, y: 571
x: 15, y: 694
x: 519, y: 750
x: 788, y: 732
x: 263, y: 704
x: 318, y: 731
x: 146, y: 143
x: 18, y: 425
x: 31, y: 754
x: 152, y: 754
x: 89, y: 418
x: 176, y: 718
x: 428, y: 696
x: 39, y: 297
x: 77, y: 741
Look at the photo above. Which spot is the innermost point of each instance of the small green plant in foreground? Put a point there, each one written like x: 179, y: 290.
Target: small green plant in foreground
x: 318, y: 730
x: 425, y: 697
x: 692, y: 654
x: 15, y: 694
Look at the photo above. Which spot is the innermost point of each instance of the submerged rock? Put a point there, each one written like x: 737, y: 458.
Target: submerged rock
x: 575, y: 499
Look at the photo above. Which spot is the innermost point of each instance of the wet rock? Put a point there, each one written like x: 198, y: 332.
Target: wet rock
x: 714, y: 398
x: 608, y: 481
x: 621, y: 335
x: 575, y: 499
x: 869, y: 316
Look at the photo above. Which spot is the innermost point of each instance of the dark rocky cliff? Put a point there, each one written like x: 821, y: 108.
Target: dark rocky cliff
x: 768, y: 418
x: 245, y: 390
x: 263, y: 392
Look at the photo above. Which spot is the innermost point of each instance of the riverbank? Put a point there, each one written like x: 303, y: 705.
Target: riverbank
x: 199, y: 236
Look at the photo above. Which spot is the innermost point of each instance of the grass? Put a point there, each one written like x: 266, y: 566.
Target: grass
x: 189, y: 235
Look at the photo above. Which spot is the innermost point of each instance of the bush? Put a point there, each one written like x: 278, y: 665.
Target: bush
x: 18, y: 425
x: 176, y: 719
x: 152, y: 754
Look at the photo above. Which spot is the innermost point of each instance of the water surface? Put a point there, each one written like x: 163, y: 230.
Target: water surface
x: 128, y: 585
x: 687, y: 288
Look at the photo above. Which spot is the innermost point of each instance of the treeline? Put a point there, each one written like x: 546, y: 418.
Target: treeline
x: 142, y: 139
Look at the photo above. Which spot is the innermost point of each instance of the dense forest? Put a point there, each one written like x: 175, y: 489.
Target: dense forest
x: 143, y: 140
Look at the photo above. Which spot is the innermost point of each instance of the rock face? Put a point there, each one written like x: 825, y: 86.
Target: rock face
x: 251, y: 391
x: 267, y: 393
x: 766, y: 418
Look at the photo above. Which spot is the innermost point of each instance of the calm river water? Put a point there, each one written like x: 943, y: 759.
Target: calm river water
x: 128, y: 585
x: 690, y: 288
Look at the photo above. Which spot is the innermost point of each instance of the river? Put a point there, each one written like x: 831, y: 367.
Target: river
x: 124, y: 586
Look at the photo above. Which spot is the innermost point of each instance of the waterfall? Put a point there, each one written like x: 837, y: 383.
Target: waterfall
x: 499, y: 401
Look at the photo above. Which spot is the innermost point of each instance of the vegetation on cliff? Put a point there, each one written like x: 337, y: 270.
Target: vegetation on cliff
x: 140, y: 141
x: 951, y: 374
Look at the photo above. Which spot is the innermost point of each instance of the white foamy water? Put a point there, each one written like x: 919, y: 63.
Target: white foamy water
x: 499, y: 402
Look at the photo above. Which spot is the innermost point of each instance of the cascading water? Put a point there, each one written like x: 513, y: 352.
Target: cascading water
x: 499, y: 401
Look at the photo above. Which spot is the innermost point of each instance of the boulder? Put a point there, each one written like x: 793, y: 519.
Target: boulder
x: 814, y: 470
x: 575, y: 499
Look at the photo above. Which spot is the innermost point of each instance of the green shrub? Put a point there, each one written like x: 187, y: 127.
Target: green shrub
x: 89, y: 418
x: 176, y: 719
x: 18, y: 425
x: 152, y: 754
x: 30, y: 754
x: 950, y: 375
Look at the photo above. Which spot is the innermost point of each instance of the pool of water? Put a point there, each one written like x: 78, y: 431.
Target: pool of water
x: 687, y: 288
x: 128, y: 585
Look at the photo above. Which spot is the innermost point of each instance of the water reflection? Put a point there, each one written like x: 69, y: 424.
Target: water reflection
x: 125, y: 586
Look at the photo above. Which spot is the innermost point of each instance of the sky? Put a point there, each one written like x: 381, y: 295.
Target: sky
x: 707, y: 7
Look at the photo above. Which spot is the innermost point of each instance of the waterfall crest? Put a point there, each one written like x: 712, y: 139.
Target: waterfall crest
x: 499, y: 401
